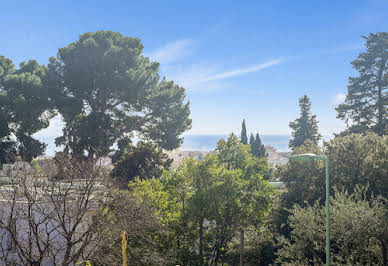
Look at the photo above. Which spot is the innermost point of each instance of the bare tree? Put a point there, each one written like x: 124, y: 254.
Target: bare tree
x: 53, y: 221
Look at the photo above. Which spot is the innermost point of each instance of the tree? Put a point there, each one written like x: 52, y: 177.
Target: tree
x: 258, y: 148
x: 166, y: 198
x: 251, y: 140
x: 105, y: 89
x: 206, y: 203
x: 6, y: 67
x: 244, y: 138
x: 305, y: 127
x: 366, y: 103
x: 145, y: 160
x: 359, y: 160
x: 252, y: 191
x: 358, y: 232
x: 24, y: 109
x: 143, y: 230
x: 47, y: 221
x: 354, y: 160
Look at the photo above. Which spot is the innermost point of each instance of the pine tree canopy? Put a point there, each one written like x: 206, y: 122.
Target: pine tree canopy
x: 305, y: 127
x: 105, y: 89
x: 366, y: 104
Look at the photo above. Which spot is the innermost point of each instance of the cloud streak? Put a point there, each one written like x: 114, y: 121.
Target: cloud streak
x: 172, y: 51
x: 242, y: 71
x: 203, y: 76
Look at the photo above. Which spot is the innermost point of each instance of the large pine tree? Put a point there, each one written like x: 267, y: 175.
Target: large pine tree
x: 366, y: 103
x: 305, y: 127
x: 106, y: 89
x: 244, y: 138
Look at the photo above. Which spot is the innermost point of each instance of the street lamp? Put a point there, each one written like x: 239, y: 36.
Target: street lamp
x: 310, y: 157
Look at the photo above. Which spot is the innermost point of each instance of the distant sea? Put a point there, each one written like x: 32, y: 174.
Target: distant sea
x: 199, y: 142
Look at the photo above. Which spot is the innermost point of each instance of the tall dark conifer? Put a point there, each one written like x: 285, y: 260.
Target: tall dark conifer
x: 305, y: 127
x: 260, y: 149
x: 366, y: 104
x: 252, y: 139
x: 244, y: 138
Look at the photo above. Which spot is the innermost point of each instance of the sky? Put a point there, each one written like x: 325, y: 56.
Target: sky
x: 237, y: 60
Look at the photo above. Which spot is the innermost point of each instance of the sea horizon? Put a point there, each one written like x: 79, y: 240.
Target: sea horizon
x: 202, y: 142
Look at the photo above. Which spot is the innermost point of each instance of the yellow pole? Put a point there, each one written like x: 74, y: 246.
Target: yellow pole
x: 124, y: 247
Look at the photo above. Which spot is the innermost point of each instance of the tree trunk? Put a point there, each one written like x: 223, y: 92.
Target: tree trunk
x: 241, y: 246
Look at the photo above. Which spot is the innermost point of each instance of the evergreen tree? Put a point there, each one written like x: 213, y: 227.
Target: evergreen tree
x: 244, y: 138
x: 259, y: 146
x: 105, y: 89
x: 366, y: 103
x: 305, y: 127
x: 24, y: 109
x: 145, y: 160
x: 252, y: 139
x: 254, y: 147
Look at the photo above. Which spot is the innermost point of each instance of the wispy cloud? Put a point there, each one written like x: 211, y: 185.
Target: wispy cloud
x: 172, y: 51
x: 338, y: 99
x: 242, y: 71
x: 208, y: 77
x: 204, y: 76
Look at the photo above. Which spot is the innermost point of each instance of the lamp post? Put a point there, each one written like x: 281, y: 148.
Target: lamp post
x: 310, y: 157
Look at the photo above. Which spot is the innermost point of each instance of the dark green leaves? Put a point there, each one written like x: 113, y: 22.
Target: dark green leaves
x: 366, y: 104
x: 24, y: 109
x: 104, y: 79
x: 305, y: 127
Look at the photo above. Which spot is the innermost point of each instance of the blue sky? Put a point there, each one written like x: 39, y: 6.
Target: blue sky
x: 237, y: 59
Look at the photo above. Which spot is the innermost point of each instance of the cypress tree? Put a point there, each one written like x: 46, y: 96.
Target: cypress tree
x: 305, y: 127
x: 260, y: 151
x: 252, y: 139
x: 254, y: 147
x: 244, y: 138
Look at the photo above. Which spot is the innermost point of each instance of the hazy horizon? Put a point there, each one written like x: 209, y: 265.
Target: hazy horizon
x: 203, y: 142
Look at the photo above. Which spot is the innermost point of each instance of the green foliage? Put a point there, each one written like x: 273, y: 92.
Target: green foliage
x: 366, y: 104
x: 354, y: 160
x: 358, y: 232
x: 144, y: 231
x: 105, y: 89
x: 251, y: 140
x: 257, y: 148
x: 359, y: 160
x: 24, y: 109
x: 152, y: 193
x: 235, y: 155
x: 204, y: 203
x: 244, y: 138
x: 259, y: 248
x: 305, y: 127
x: 145, y: 160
